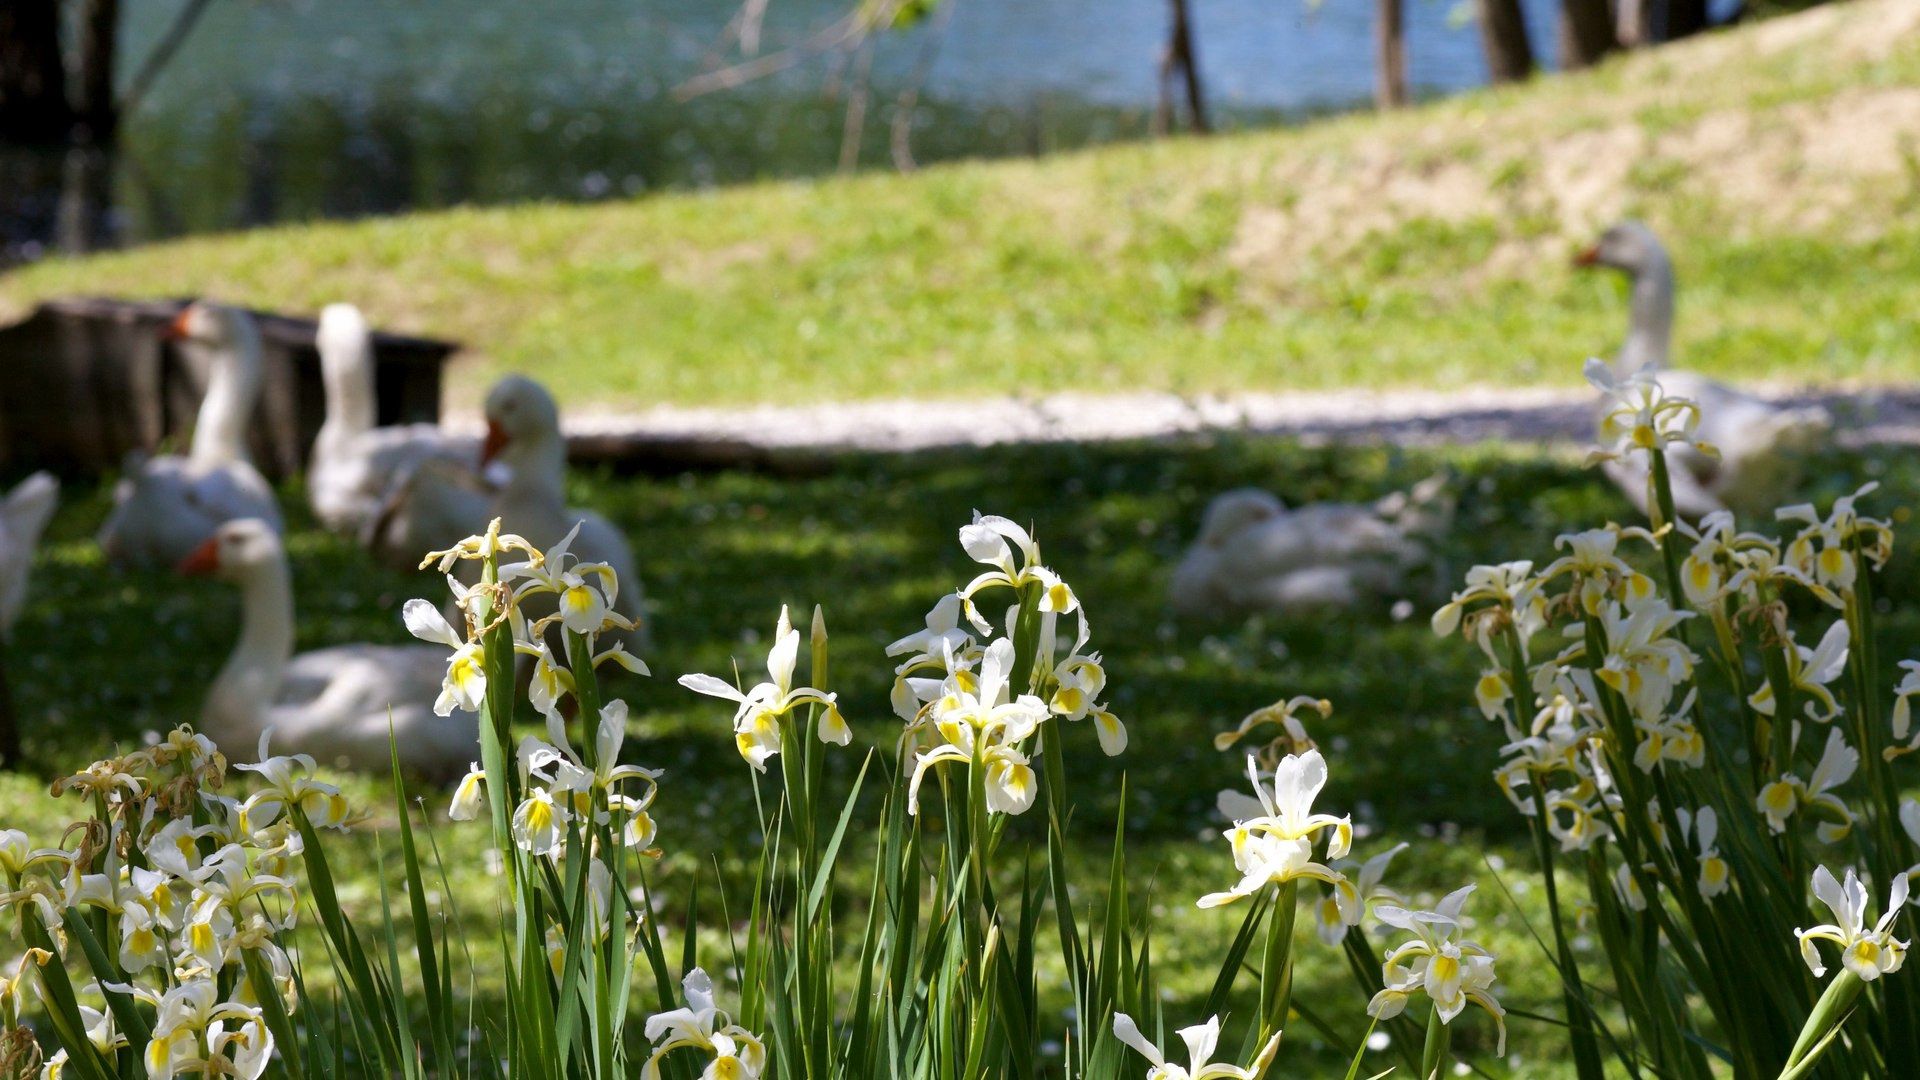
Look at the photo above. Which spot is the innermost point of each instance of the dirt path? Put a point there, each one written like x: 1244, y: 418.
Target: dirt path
x: 1865, y: 416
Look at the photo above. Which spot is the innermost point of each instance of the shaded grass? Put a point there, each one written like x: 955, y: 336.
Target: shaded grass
x: 103, y: 657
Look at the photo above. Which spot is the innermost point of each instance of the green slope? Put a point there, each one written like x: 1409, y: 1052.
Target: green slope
x: 1428, y: 247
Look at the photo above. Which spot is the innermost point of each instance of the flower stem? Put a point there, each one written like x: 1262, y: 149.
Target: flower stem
x: 1439, y: 1044
x: 1276, y: 968
x: 1828, y: 1014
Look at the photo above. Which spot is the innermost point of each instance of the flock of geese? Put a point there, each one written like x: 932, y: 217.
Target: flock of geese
x: 399, y: 491
x: 1254, y: 553
x: 402, y: 490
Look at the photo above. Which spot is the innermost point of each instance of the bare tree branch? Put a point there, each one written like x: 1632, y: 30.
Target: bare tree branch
x: 846, y: 31
x: 162, y: 54
x: 856, y: 120
x: 753, y: 15
x: 900, y: 141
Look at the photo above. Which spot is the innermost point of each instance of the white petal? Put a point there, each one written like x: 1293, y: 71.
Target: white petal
x: 785, y: 652
x: 712, y: 687
x: 1128, y: 1032
x: 425, y: 622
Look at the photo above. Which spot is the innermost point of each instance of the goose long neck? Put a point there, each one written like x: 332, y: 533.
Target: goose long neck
x: 347, y: 371
x: 248, y: 683
x: 233, y: 388
x: 539, y: 468
x: 1650, y: 331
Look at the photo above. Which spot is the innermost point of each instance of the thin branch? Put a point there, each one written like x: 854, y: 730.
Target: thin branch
x: 901, y: 140
x: 162, y: 54
x: 848, y: 30
x: 856, y: 120
x: 743, y: 30
x: 753, y: 14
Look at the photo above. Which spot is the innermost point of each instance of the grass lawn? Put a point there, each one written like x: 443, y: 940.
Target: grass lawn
x: 1424, y: 248
x: 100, y: 657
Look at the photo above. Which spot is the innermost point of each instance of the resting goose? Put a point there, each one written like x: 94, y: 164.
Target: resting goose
x: 1759, y: 442
x: 355, y: 465
x: 167, y: 505
x: 523, y: 434
x: 1254, y: 554
x: 332, y: 703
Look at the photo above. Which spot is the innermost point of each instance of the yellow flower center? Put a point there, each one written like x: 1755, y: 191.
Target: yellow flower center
x: 1867, y: 951
x: 577, y: 600
x: 466, y: 669
x: 1833, y: 562
x: 1701, y: 573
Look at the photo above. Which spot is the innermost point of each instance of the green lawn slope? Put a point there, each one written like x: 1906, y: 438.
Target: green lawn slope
x: 1424, y: 248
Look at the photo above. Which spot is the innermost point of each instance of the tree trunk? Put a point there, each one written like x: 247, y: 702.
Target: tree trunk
x: 1682, y: 18
x: 1503, y: 34
x: 1390, y: 54
x: 86, y: 200
x: 1586, y: 33
x: 33, y: 84
x: 1633, y: 23
x: 1651, y: 22
x: 1179, y: 62
x: 99, y: 41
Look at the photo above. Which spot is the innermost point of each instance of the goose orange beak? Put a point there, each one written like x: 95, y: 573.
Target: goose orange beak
x: 202, y: 560
x: 496, y: 441
x: 177, y: 329
x: 1588, y: 256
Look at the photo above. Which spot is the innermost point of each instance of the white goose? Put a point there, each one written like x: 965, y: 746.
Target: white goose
x: 1254, y: 554
x: 1759, y: 442
x: 523, y: 434
x: 333, y: 703
x: 23, y: 517
x: 166, y: 505
x: 355, y: 465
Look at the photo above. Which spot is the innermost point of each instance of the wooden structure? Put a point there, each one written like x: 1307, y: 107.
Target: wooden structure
x: 90, y: 380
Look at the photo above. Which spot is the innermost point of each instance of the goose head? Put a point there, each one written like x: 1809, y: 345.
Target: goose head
x: 343, y: 338
x: 211, y: 325
x: 1632, y: 248
x: 227, y: 340
x: 1628, y: 246
x: 236, y: 551
x: 1235, y: 510
x: 521, y: 418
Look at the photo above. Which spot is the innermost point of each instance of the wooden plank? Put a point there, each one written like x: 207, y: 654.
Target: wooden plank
x: 103, y: 383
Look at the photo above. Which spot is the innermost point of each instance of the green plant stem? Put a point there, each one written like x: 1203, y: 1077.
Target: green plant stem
x: 1433, y: 1058
x: 1832, y: 1010
x: 1667, y: 519
x: 1586, y: 1051
x: 1276, y: 966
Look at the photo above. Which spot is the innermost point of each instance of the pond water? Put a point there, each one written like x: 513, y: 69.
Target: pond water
x: 282, y: 110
